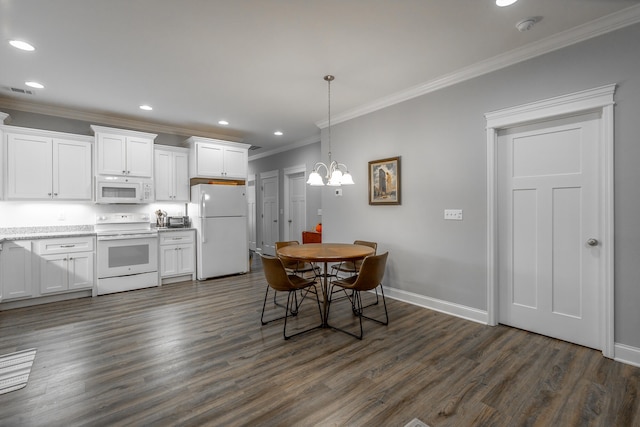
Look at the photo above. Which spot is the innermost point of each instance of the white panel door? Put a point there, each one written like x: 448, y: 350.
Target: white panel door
x: 297, y: 209
x: 270, y: 230
x: 547, y: 214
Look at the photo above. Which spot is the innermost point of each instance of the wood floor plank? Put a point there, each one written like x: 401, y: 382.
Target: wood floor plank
x: 195, y: 353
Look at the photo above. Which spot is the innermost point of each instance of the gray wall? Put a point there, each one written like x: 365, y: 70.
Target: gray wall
x: 441, y: 140
x: 306, y: 155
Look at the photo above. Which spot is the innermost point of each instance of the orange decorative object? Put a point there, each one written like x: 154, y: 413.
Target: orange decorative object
x: 319, y: 227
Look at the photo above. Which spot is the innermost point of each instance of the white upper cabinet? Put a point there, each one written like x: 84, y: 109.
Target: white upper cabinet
x: 72, y: 170
x: 214, y: 158
x: 46, y: 165
x: 122, y: 152
x: 171, y: 174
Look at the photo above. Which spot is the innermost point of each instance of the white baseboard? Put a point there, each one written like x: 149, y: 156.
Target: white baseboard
x: 458, y: 310
x: 627, y: 354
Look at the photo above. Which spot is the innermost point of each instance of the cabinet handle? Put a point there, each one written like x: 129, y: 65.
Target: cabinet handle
x: 70, y: 258
x: 55, y: 194
x: 67, y: 246
x: 48, y: 194
x: 124, y: 172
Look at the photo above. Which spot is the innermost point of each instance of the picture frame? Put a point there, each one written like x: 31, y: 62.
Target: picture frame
x: 384, y: 181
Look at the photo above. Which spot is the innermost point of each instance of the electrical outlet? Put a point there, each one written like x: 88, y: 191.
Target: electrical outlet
x: 453, y: 214
x: 338, y: 192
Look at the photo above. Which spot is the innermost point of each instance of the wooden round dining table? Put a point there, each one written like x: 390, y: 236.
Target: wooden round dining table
x: 325, y: 253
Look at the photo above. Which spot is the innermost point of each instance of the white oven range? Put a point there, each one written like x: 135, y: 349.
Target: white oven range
x: 127, y: 252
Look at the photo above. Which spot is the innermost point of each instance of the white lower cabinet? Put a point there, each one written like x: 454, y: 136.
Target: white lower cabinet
x: 15, y: 270
x: 66, y: 264
x: 177, y: 254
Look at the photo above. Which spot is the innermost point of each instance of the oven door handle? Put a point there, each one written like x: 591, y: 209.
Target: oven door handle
x: 127, y: 237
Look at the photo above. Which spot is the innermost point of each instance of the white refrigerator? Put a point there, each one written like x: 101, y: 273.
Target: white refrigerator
x: 219, y: 215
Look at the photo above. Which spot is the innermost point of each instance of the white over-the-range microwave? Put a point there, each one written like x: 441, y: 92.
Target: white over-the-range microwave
x: 120, y: 189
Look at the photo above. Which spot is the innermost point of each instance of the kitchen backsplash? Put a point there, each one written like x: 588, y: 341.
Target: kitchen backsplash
x: 64, y: 214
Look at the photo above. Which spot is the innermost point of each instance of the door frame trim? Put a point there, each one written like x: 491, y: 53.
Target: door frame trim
x: 287, y: 172
x: 592, y: 100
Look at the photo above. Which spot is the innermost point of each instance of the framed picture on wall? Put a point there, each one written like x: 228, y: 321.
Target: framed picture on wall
x: 384, y: 181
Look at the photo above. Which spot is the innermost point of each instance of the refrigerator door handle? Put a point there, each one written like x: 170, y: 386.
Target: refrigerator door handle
x: 202, y: 218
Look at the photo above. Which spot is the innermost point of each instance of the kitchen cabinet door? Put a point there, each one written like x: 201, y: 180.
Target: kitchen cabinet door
x: 29, y: 167
x: 163, y: 179
x: 235, y: 163
x: 181, y: 175
x: 72, y: 171
x: 112, y: 154
x: 53, y: 273
x: 171, y: 176
x: 186, y: 259
x: 124, y: 153
x: 15, y: 271
x: 209, y: 160
x: 80, y: 270
x: 139, y: 157
x: 168, y: 261
x: 62, y: 272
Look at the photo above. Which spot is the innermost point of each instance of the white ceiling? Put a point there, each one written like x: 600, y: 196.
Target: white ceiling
x: 260, y: 63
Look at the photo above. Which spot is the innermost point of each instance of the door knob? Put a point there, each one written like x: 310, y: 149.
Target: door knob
x: 592, y: 242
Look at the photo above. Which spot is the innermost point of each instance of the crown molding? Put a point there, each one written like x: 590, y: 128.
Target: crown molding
x: 302, y: 143
x: 597, y: 27
x: 111, y: 120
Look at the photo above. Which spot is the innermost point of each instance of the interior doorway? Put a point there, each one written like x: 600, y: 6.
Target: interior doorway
x: 295, y: 203
x: 270, y: 226
x: 548, y: 254
x: 599, y: 103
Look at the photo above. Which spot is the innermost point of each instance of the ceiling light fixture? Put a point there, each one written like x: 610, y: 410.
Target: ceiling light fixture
x: 278, y: 133
x: 223, y: 122
x: 146, y: 107
x: 19, y: 44
x: 335, y: 176
x: 503, y: 3
x: 34, y: 84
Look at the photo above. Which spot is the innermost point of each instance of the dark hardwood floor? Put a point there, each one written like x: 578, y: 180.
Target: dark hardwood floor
x: 195, y: 354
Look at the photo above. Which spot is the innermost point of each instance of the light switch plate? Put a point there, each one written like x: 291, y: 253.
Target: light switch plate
x: 453, y: 214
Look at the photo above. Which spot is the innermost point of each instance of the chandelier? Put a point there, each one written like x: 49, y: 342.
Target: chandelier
x: 334, y: 175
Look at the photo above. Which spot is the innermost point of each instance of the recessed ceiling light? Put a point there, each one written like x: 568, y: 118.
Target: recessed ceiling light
x: 503, y: 3
x: 278, y: 133
x: 146, y: 107
x: 19, y: 44
x: 223, y: 122
x: 34, y: 84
